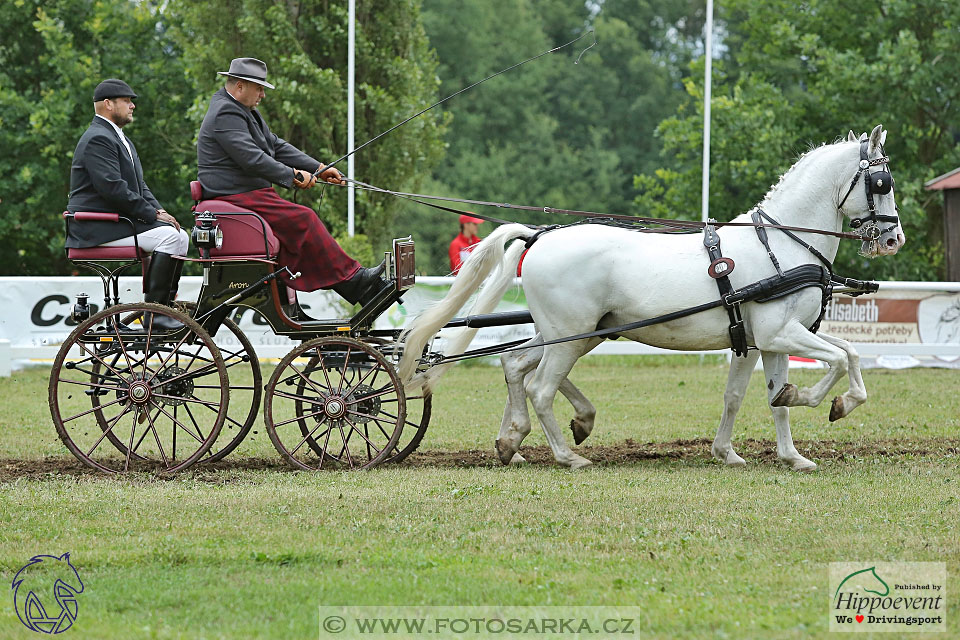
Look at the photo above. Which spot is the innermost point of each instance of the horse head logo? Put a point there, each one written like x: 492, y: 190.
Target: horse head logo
x: 867, y: 576
x: 39, y: 577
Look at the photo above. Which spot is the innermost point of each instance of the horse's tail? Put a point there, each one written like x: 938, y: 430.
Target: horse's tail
x: 487, y: 255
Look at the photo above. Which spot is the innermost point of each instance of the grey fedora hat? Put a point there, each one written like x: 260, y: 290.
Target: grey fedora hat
x: 249, y: 69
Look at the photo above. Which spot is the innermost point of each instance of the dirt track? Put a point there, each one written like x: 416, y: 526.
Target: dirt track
x: 627, y: 452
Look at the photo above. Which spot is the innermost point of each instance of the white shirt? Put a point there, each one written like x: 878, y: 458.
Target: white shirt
x: 126, y: 145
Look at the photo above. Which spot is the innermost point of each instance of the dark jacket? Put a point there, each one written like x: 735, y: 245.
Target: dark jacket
x: 103, y: 178
x: 237, y: 152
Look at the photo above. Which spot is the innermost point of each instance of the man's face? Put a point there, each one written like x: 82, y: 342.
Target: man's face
x: 249, y: 94
x: 121, y: 110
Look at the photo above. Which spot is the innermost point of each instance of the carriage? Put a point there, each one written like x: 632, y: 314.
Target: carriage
x: 124, y: 396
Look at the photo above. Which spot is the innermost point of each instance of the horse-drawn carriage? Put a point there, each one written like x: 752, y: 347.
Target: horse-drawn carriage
x: 124, y: 395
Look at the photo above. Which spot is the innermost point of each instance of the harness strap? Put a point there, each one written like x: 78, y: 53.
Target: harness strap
x: 822, y: 258
x: 738, y: 334
x: 762, y: 234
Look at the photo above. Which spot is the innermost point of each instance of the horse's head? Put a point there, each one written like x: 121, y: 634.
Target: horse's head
x: 872, y: 209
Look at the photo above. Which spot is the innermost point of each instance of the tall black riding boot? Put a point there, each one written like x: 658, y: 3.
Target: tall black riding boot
x: 363, y: 285
x: 159, y: 287
x: 175, y: 280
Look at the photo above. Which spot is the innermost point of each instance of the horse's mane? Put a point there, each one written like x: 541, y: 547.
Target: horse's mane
x: 811, y: 149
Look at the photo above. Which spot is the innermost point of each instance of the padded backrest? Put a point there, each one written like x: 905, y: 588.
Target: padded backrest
x: 242, y: 234
x: 196, y: 191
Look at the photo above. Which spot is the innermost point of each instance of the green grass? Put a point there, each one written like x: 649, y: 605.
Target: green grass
x: 704, y: 551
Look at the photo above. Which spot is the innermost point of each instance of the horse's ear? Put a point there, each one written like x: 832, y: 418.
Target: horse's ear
x: 876, y: 138
x: 851, y: 137
x: 883, y: 137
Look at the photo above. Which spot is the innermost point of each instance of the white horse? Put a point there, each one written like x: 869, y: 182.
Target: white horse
x: 578, y: 279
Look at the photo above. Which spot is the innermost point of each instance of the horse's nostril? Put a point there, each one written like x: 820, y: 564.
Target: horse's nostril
x: 891, y: 243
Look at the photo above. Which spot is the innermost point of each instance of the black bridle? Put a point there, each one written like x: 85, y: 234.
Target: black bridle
x: 874, y: 183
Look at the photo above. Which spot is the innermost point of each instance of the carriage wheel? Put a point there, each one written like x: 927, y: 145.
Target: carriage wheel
x: 246, y: 381
x: 334, y: 403
x: 124, y: 401
x: 414, y: 425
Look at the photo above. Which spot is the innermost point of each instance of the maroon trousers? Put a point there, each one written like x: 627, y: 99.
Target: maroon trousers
x: 305, y: 244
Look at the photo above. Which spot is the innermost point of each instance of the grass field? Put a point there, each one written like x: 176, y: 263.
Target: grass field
x: 702, y: 550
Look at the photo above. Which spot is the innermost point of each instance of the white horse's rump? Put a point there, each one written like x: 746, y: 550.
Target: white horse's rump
x: 578, y: 279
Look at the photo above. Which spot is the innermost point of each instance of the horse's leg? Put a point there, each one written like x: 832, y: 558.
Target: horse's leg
x: 797, y: 340
x: 776, y: 369
x: 740, y: 371
x: 584, y: 413
x: 516, y: 420
x: 856, y: 395
x: 558, y: 360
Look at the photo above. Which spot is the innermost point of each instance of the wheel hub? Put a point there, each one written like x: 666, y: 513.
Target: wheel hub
x: 370, y: 407
x: 177, y: 390
x: 334, y: 407
x: 139, y: 392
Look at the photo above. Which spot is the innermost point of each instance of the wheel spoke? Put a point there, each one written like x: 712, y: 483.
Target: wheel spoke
x: 90, y: 384
x: 97, y: 408
x: 346, y: 363
x: 298, y: 418
x: 109, y: 428
x: 308, y: 436
x: 133, y: 431
x: 180, y: 424
x: 156, y: 436
x: 291, y: 396
x: 186, y: 399
x: 359, y: 433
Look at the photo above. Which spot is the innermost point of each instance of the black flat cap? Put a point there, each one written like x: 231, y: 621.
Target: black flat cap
x: 112, y: 88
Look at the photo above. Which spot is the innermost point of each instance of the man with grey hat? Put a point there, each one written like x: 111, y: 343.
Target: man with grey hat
x: 239, y: 160
x: 106, y: 176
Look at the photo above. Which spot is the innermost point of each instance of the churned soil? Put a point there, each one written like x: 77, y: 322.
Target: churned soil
x: 625, y: 453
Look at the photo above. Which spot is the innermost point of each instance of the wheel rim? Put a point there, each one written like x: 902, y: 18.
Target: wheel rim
x: 323, y: 405
x: 130, y: 401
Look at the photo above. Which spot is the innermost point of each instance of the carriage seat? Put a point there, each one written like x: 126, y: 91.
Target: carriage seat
x: 245, y: 235
x: 101, y: 253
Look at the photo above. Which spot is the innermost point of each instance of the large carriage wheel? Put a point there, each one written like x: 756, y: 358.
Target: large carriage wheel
x: 140, y: 400
x: 334, y: 403
x: 246, y: 381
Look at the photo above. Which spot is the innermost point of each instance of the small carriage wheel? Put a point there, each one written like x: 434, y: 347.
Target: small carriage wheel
x: 414, y: 425
x: 240, y: 359
x: 333, y: 388
x: 418, y: 413
x: 130, y: 400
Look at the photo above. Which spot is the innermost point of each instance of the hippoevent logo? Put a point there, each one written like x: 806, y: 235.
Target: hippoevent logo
x: 888, y: 596
x: 45, y: 594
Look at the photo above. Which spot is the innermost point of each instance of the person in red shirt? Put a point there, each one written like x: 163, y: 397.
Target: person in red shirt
x: 463, y: 244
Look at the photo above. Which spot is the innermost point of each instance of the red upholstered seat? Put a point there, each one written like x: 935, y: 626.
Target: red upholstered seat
x: 242, y: 234
x: 104, y: 253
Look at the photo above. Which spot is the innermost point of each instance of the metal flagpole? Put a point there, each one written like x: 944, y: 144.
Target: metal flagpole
x: 351, y: 85
x: 708, y: 52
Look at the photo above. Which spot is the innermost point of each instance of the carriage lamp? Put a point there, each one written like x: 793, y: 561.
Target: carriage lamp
x: 207, y: 234
x: 81, y: 310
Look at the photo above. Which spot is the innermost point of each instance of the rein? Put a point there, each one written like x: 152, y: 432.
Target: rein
x: 685, y: 225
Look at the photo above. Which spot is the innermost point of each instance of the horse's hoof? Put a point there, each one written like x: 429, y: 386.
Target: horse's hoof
x: 517, y: 460
x: 579, y: 462
x: 799, y: 464
x: 728, y: 457
x: 786, y: 397
x: 579, y: 433
x: 836, y: 409
x: 504, y: 451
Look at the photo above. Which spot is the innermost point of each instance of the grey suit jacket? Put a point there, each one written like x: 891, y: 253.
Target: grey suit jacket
x: 104, y: 178
x: 237, y: 152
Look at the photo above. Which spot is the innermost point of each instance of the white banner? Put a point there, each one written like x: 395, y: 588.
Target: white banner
x: 905, y: 324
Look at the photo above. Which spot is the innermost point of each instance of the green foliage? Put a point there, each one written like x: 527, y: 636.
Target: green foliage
x: 52, y: 55
x: 804, y: 74
x: 305, y: 47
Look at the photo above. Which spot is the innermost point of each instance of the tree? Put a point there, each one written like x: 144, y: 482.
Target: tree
x: 804, y: 74
x: 304, y: 43
x: 52, y: 55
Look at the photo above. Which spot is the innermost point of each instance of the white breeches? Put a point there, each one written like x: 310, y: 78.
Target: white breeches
x: 164, y: 239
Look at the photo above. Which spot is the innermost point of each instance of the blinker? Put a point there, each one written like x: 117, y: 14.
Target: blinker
x: 881, y: 182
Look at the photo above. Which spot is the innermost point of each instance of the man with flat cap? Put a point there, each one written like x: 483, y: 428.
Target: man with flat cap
x: 239, y: 160
x: 106, y: 176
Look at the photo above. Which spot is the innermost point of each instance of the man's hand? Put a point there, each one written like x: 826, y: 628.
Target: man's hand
x: 331, y: 175
x: 163, y: 216
x: 303, y: 179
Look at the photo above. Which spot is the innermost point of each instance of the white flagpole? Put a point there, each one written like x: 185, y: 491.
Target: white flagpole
x: 708, y: 52
x: 351, y: 80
